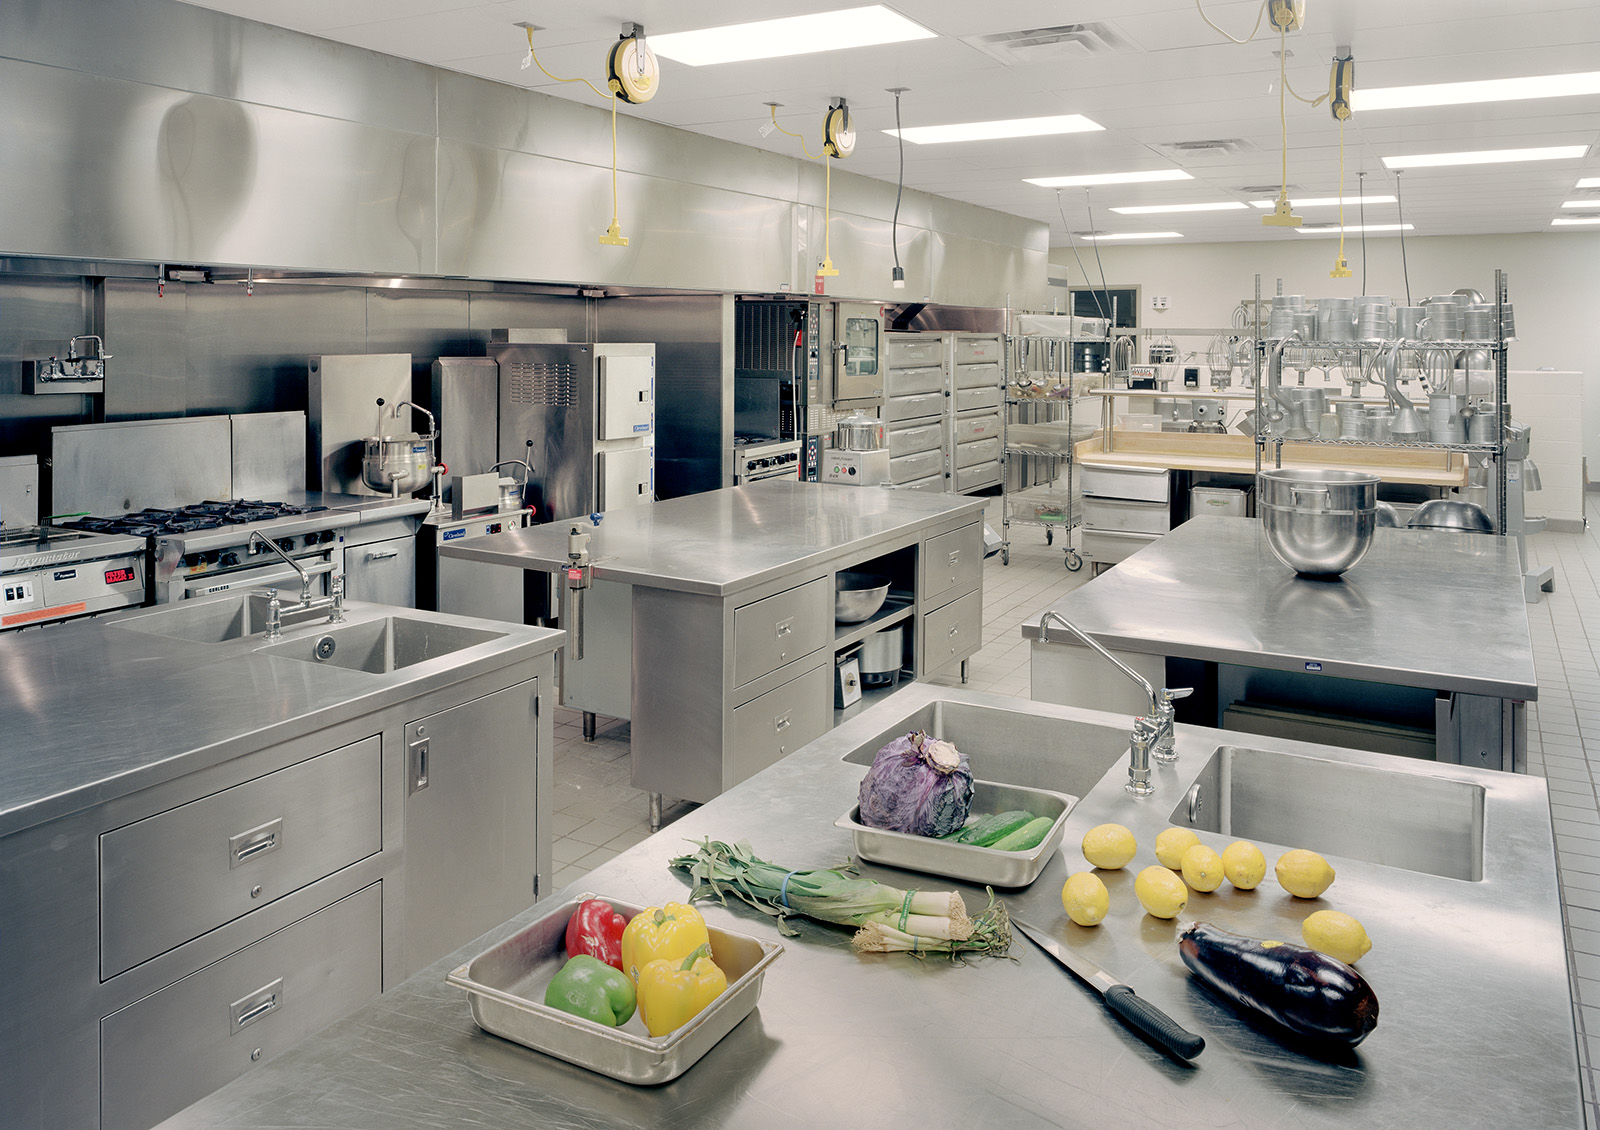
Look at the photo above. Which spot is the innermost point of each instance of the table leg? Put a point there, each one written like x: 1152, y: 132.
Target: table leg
x: 655, y: 812
x: 588, y: 725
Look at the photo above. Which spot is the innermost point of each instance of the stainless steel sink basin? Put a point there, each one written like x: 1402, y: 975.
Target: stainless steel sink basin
x: 1398, y: 819
x: 379, y: 646
x: 1014, y: 748
x: 205, y: 621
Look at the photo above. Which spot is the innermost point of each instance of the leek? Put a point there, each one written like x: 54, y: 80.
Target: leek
x: 991, y: 934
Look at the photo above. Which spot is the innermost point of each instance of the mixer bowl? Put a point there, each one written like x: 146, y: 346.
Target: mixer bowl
x: 858, y: 595
x: 1452, y: 514
x: 1318, y: 521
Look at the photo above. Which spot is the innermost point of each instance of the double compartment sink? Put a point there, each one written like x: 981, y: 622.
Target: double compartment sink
x: 1404, y: 817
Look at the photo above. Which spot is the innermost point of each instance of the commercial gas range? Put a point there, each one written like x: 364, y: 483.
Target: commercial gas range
x: 207, y: 547
x: 49, y: 574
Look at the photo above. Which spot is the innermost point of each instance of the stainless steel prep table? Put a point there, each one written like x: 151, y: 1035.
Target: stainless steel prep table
x: 1475, y: 1031
x: 1432, y: 612
x: 709, y: 623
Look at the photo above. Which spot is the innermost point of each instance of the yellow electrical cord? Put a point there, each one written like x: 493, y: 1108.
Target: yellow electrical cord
x: 798, y: 137
x: 827, y: 267
x: 1260, y: 13
x: 613, y: 234
x: 1341, y: 269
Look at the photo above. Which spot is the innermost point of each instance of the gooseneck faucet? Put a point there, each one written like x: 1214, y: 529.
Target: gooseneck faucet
x: 1152, y: 733
x: 305, y: 578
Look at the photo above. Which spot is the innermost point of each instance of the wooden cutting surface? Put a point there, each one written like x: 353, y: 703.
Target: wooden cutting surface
x: 1235, y: 454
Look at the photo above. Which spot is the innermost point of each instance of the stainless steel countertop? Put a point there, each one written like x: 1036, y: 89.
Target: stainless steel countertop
x: 370, y: 507
x: 1475, y: 1030
x: 1424, y: 608
x: 91, y: 711
x: 724, y: 541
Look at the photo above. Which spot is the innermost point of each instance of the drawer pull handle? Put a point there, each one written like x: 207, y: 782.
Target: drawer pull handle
x: 954, y: 629
x: 247, y: 1010
x: 383, y: 554
x: 419, y: 765
x: 259, y: 841
x: 785, y: 627
x: 781, y: 723
x: 955, y: 556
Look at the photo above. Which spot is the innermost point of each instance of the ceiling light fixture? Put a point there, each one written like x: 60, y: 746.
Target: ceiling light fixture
x: 1588, y: 182
x: 1108, y: 178
x: 1568, y: 221
x: 991, y: 131
x: 790, y: 35
x: 1154, y: 209
x: 1319, y: 202
x: 1328, y: 229
x: 1132, y: 235
x: 1487, y: 157
x: 1484, y: 90
x: 1595, y: 203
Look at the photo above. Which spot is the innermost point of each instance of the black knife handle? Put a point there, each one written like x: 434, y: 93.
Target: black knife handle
x: 1152, y: 1022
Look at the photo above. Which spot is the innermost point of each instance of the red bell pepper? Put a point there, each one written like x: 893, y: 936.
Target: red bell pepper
x: 595, y: 928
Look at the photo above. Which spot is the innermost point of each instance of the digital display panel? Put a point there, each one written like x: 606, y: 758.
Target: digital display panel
x: 115, y: 576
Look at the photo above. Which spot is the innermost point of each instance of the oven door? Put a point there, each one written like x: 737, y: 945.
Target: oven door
x: 278, y: 575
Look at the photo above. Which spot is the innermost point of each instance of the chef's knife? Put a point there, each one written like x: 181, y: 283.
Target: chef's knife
x: 1138, y: 1013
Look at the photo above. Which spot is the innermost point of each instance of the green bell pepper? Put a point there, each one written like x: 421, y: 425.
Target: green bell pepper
x: 586, y: 986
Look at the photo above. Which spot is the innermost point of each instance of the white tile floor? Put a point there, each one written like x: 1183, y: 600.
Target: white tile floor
x: 598, y: 814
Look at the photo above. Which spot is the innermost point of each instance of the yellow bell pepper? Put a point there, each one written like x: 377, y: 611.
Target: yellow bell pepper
x: 672, y: 931
x: 672, y: 993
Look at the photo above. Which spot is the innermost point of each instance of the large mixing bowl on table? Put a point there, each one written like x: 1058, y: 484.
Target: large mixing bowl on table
x: 858, y: 595
x: 1318, y: 521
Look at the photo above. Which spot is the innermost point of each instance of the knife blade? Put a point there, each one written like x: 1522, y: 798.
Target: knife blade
x: 1134, y: 1011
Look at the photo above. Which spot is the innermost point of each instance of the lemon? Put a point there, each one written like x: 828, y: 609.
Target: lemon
x: 1161, y: 893
x: 1202, y: 868
x: 1086, y: 899
x: 1171, y: 844
x: 1244, y: 865
x: 1109, y: 846
x: 1304, y: 874
x: 1337, y: 935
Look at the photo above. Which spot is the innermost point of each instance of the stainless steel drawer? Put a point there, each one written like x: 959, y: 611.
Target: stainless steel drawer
x: 978, y: 451
x: 933, y: 483
x: 1112, y: 545
x: 1148, y: 483
x: 904, y: 382
x: 978, y: 425
x: 977, y: 476
x: 986, y: 375
x: 769, y: 633
x: 971, y: 399
x: 169, y: 878
x: 952, y: 563
x: 919, y: 465
x: 916, y: 437
x: 178, y: 1045
x: 914, y: 350
x: 952, y: 633
x: 1126, y: 515
x: 911, y: 407
x: 774, y: 725
x: 970, y: 349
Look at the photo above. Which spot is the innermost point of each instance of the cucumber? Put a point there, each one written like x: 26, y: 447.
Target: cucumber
x: 985, y: 830
x: 1030, y: 835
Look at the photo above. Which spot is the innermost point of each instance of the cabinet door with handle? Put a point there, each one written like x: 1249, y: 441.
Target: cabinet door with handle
x: 470, y: 839
x: 382, y: 572
x: 952, y: 564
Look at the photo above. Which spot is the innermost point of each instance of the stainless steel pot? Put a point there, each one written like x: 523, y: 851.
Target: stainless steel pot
x: 397, y: 464
x: 1318, y: 521
x: 859, y: 432
x: 881, y: 655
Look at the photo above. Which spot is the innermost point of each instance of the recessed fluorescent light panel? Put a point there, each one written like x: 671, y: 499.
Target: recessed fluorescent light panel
x: 1323, y: 201
x: 1595, y: 203
x: 1135, y: 235
x: 1464, y: 93
x: 989, y: 131
x: 1324, y: 229
x: 1107, y: 178
x: 791, y: 35
x: 1588, y: 182
x: 1154, y: 209
x: 1487, y: 157
x: 1568, y: 221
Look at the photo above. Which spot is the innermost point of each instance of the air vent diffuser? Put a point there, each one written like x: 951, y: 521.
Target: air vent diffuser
x: 1065, y: 43
x: 1223, y: 146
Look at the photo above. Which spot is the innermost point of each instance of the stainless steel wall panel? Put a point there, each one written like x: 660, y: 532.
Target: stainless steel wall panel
x: 269, y: 454
x: 107, y: 469
x: 500, y: 310
x: 424, y: 324
x: 147, y: 332
x: 973, y: 272
x: 39, y: 316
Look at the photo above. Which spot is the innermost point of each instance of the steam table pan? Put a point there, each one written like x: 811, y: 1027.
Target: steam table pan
x: 964, y: 861
x: 506, y: 985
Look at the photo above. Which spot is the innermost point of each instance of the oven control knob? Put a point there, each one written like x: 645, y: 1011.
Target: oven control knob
x: 229, y: 560
x: 209, y: 557
x: 190, y: 560
x: 286, y: 544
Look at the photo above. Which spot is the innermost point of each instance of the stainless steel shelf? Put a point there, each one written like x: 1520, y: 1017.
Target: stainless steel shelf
x: 1426, y: 445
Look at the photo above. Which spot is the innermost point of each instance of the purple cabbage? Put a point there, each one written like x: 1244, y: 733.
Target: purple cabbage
x: 917, y: 784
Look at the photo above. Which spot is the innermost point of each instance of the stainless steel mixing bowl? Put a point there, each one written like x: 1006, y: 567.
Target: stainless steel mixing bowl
x: 858, y: 595
x: 1452, y: 514
x: 1318, y: 521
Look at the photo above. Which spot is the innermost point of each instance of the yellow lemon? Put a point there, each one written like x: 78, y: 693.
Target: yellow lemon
x: 1244, y: 865
x: 1109, y: 846
x: 1086, y: 899
x: 1172, y: 843
x: 1304, y: 874
x: 1202, y: 868
x: 1160, y: 892
x: 1337, y: 935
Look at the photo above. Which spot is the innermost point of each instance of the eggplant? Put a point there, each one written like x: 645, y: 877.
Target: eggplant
x: 1307, y: 993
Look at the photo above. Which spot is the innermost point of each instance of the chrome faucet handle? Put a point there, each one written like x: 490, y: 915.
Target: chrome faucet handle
x: 1145, y: 734
x: 1162, y: 748
x: 274, y: 616
x: 336, y: 592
